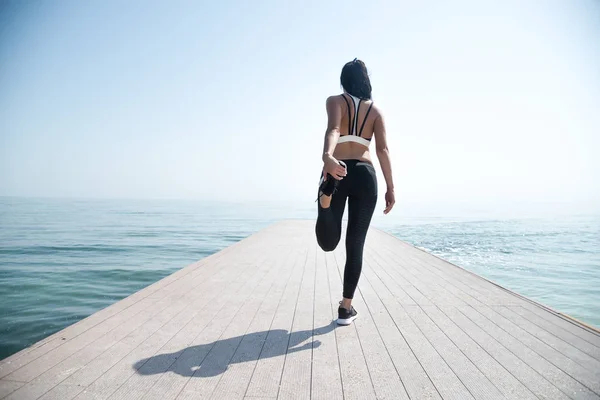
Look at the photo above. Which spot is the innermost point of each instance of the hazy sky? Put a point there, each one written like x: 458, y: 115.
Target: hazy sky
x: 487, y: 102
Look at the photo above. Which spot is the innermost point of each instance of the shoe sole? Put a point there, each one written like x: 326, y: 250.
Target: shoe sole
x: 346, y: 321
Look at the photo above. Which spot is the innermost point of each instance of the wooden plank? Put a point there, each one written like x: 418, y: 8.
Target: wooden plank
x: 414, y: 378
x: 560, y: 379
x: 461, y: 281
x: 578, y: 365
x: 466, y: 282
x: 326, y: 376
x: 106, y: 360
x: 404, y: 292
x: 211, y: 288
x: 43, y: 346
x: 439, y: 289
x: 120, y: 372
x: 174, y: 367
x: 472, y: 287
x: 57, y: 374
x: 7, y: 387
x: 396, y: 280
x: 162, y: 313
x: 445, y: 380
x: 32, y: 392
x: 259, y: 398
x: 540, y: 386
x: 235, y: 380
x: 356, y: 380
x: 531, y: 310
x: 68, y: 348
x: 482, y: 388
x: 170, y: 310
x: 62, y: 392
x: 509, y: 386
x: 573, y: 346
x: 380, y: 274
x: 383, y: 372
x: 206, y: 378
x: 33, y: 364
x: 267, y: 373
x: 483, y: 287
x: 149, y: 370
x: 474, y: 380
x: 297, y: 367
x: 477, y: 283
x: 398, y: 270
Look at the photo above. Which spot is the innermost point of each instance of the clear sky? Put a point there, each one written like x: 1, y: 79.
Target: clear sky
x: 487, y: 102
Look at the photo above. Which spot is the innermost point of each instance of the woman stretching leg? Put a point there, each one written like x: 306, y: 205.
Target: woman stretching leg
x: 349, y: 174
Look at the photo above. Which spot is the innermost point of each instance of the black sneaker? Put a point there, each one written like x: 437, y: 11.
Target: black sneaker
x: 328, y: 186
x: 345, y: 317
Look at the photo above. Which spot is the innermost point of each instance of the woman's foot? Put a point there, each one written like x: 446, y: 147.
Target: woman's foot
x: 346, y: 315
x: 327, y: 187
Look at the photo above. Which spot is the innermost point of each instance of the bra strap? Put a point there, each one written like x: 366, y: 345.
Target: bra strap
x: 365, y: 120
x: 349, y: 114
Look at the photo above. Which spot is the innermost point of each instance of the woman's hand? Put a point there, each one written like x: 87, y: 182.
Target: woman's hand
x: 390, y: 200
x: 333, y: 167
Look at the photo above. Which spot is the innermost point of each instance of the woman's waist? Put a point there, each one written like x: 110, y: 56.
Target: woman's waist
x: 357, y: 166
x: 352, y: 155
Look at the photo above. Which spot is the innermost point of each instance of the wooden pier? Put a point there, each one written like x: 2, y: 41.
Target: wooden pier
x: 255, y: 321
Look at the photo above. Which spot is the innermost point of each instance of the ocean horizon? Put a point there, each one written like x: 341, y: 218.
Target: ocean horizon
x: 61, y: 260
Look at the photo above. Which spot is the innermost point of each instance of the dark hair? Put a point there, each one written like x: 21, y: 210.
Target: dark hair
x: 355, y: 79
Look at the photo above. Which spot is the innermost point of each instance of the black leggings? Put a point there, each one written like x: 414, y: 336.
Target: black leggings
x: 359, y: 186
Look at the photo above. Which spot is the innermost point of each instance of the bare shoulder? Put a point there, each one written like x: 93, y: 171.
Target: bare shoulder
x: 334, y: 100
x: 376, y: 111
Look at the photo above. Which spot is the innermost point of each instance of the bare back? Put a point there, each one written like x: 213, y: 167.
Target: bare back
x: 361, y: 124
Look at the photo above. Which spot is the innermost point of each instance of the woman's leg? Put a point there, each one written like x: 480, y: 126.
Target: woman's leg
x: 362, y: 200
x: 329, y: 219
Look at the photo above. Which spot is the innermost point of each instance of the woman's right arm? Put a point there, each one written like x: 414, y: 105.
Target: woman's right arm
x: 332, y: 134
x: 383, y: 154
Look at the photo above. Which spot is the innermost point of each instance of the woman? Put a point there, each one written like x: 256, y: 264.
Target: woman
x: 348, y: 173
